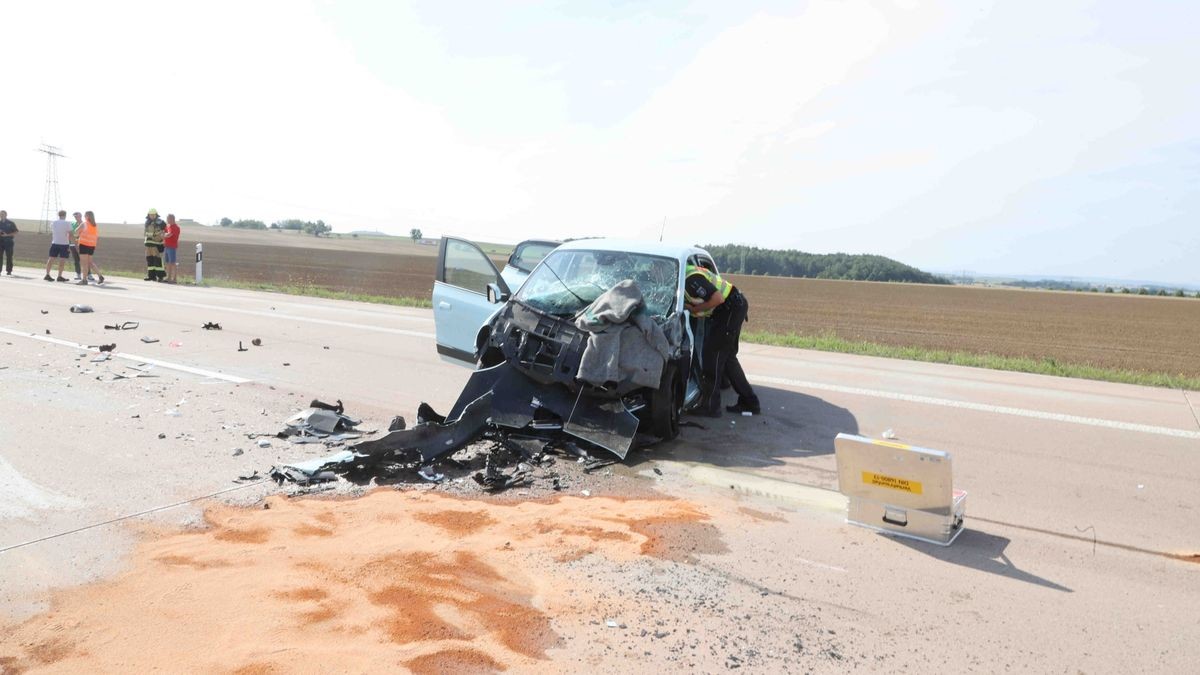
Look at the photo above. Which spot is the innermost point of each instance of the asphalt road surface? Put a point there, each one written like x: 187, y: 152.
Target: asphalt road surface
x: 1083, y: 510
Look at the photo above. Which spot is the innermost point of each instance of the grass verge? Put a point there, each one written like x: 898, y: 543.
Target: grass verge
x: 1040, y: 366
x: 319, y: 292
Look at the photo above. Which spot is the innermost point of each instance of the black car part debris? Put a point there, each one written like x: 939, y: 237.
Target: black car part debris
x: 128, y: 325
x: 209, y: 325
x: 257, y: 342
x: 241, y: 348
x: 149, y: 340
x: 321, y: 405
x: 81, y: 309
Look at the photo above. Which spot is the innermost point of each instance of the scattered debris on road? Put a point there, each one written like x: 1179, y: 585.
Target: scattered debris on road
x: 128, y: 325
x: 209, y: 325
x: 257, y: 342
x: 81, y: 309
x: 241, y: 348
x: 149, y: 340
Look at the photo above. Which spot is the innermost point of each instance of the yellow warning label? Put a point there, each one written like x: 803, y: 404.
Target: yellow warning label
x: 901, y: 484
x: 891, y: 444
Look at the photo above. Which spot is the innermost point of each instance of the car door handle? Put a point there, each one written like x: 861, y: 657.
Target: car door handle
x: 443, y: 305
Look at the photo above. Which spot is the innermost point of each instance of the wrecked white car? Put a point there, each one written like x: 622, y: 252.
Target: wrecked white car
x: 572, y: 348
x: 595, y: 345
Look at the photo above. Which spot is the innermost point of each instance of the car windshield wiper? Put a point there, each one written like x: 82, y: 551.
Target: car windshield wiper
x: 564, y: 285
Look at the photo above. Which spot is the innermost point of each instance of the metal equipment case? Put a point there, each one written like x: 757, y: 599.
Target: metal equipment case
x: 899, y: 489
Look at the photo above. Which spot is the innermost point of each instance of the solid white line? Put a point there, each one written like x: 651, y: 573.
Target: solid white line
x: 130, y: 357
x: 982, y: 407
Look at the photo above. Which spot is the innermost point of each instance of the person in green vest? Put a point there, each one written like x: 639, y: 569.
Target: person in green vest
x: 724, y: 308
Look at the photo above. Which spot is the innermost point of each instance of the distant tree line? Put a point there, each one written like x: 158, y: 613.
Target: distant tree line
x: 315, y: 228
x: 1058, y: 285
x: 738, y: 259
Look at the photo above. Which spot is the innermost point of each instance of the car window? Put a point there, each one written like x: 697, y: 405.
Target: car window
x: 467, y: 267
x: 568, y: 281
x: 528, y: 255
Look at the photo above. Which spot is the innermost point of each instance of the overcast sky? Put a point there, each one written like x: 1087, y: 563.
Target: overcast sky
x: 1055, y: 138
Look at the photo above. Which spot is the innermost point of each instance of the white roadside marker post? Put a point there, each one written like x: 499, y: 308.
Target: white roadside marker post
x: 199, y: 264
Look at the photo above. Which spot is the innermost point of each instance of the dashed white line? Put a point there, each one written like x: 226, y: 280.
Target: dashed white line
x: 234, y: 379
x: 982, y: 407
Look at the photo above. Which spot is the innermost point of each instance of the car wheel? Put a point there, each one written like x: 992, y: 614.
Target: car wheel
x: 666, y: 405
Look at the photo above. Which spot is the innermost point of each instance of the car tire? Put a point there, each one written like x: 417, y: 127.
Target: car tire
x: 666, y: 405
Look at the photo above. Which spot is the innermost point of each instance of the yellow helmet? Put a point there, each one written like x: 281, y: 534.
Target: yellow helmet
x: 152, y: 212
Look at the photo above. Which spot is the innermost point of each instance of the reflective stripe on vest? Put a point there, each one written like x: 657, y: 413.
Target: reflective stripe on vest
x: 723, y: 287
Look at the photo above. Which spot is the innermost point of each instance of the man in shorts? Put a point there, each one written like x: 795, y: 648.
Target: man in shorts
x: 60, y: 245
x: 8, y: 229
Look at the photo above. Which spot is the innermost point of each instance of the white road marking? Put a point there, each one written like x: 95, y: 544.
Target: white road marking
x: 281, y: 315
x: 982, y: 407
x: 129, y: 357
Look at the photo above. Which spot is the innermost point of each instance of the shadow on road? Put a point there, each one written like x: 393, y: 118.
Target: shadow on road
x: 793, y: 425
x: 980, y: 551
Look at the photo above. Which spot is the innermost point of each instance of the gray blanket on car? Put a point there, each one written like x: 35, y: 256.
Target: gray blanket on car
x: 624, y: 342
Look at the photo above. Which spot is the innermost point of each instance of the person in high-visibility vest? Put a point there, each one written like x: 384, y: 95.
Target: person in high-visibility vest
x: 89, y: 238
x: 724, y: 309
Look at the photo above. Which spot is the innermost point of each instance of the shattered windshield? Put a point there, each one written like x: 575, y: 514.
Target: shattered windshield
x: 568, y: 281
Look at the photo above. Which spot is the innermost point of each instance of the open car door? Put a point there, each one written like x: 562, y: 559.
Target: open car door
x: 526, y: 256
x: 461, y: 303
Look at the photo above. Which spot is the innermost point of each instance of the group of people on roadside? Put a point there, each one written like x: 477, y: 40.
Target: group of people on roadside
x: 77, y: 241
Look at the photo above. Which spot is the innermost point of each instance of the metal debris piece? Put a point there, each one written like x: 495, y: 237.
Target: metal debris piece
x: 493, y: 479
x: 397, y: 424
x: 46, y: 311
x: 430, y: 475
x: 128, y: 325
x: 241, y: 348
x: 209, y: 325
x: 248, y: 477
x: 81, y: 309
x: 257, y: 342
x: 238, y: 451
x: 149, y: 340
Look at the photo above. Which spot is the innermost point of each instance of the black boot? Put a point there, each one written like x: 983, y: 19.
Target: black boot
x: 743, y: 406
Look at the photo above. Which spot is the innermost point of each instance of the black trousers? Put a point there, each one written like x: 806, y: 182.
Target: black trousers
x: 722, y: 335
x: 6, y: 253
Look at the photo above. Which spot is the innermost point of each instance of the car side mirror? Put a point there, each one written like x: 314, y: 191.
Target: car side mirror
x: 495, y: 295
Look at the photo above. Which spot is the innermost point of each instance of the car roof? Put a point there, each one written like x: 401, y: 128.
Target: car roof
x: 665, y: 249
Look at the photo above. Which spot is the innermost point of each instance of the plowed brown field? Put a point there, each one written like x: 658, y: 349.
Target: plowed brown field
x: 1150, y: 334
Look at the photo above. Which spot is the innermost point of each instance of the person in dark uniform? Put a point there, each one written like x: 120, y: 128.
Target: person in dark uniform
x: 8, y: 229
x: 724, y: 307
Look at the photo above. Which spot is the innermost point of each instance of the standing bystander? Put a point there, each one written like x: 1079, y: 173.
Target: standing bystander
x: 60, y: 245
x: 154, y: 246
x: 7, y: 230
x: 171, y: 248
x: 74, y: 241
x: 89, y: 236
